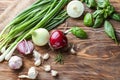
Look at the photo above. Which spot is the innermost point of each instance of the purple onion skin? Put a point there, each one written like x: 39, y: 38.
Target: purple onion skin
x: 25, y: 47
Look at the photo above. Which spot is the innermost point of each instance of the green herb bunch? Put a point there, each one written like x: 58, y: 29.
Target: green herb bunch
x: 41, y: 14
x: 103, y: 11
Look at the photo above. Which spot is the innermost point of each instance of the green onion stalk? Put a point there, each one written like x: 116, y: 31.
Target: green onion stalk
x: 41, y: 14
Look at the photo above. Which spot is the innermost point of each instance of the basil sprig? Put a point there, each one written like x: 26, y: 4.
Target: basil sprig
x: 104, y: 10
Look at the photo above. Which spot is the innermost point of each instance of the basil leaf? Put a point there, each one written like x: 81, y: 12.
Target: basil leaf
x: 108, y: 28
x: 88, y: 20
x: 110, y: 9
x: 98, y: 13
x: 116, y: 16
x: 103, y: 3
x: 91, y: 3
x: 78, y: 32
x: 98, y: 22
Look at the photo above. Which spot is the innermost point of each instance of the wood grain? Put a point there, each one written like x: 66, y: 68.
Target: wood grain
x: 98, y: 57
x: 4, y: 4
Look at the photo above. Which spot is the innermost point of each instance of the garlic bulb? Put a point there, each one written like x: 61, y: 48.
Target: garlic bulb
x: 15, y: 62
x: 40, y: 37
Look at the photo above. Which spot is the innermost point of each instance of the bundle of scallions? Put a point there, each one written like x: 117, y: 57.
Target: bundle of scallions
x: 41, y: 14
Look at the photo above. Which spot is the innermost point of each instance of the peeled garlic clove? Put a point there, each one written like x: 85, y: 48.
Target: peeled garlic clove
x: 37, y: 58
x: 32, y: 73
x: 46, y: 56
x: 47, y: 68
x: 23, y: 76
x: 36, y: 54
x: 38, y: 62
x: 54, y: 73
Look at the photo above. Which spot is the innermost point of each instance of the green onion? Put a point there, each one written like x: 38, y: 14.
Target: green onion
x: 41, y: 14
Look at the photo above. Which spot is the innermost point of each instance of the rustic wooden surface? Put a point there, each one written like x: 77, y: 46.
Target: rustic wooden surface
x: 98, y: 57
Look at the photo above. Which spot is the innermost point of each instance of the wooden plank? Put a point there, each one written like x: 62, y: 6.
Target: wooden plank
x: 4, y: 4
x: 98, y: 57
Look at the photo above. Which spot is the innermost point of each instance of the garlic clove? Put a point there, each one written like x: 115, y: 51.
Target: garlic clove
x: 32, y: 73
x: 54, y: 73
x: 36, y: 54
x: 37, y: 58
x: 47, y: 68
x: 38, y: 62
x: 46, y: 56
x: 23, y: 76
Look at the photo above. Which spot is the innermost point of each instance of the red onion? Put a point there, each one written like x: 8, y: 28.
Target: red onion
x: 58, y: 40
x: 25, y: 47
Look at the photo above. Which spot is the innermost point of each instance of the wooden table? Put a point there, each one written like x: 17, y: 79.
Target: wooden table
x: 4, y: 4
x: 98, y: 57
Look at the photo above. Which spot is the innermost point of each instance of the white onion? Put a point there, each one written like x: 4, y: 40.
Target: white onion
x: 40, y: 37
x: 75, y: 9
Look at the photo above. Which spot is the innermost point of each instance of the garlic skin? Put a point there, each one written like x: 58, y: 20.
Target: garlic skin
x: 15, y: 62
x: 75, y: 9
x: 46, y: 56
x: 47, y: 68
x: 54, y: 73
x: 73, y: 51
x: 37, y: 58
x: 40, y: 37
